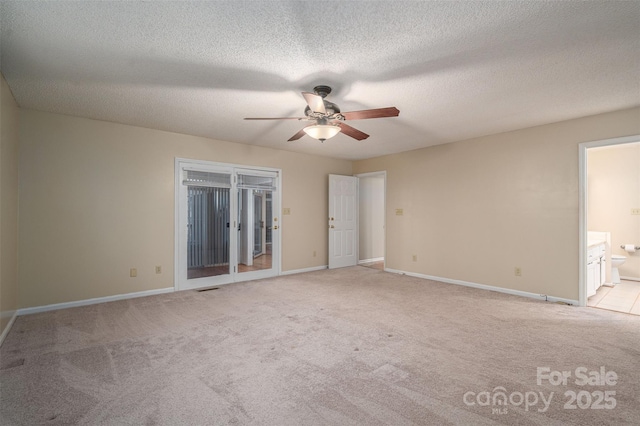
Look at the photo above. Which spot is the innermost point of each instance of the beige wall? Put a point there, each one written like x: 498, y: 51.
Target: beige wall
x: 614, y: 189
x: 474, y: 210
x: 97, y: 199
x: 9, y: 123
x: 371, y: 217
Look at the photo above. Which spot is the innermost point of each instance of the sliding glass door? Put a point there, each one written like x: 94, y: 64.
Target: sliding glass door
x: 226, y: 229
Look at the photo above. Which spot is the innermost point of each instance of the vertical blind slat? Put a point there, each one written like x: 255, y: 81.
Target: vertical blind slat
x: 208, y: 234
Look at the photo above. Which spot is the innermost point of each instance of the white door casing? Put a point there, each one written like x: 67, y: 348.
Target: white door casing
x: 343, y: 221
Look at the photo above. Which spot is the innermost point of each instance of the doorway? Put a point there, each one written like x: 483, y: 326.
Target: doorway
x: 357, y: 220
x: 226, y: 229
x: 609, y: 197
x: 371, y: 218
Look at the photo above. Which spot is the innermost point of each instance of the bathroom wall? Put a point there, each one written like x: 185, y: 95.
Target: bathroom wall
x: 371, y: 225
x: 613, y: 175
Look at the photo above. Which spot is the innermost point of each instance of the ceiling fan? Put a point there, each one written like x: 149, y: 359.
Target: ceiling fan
x: 327, y: 118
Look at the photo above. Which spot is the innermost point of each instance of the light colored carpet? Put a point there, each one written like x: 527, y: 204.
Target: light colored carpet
x: 339, y: 347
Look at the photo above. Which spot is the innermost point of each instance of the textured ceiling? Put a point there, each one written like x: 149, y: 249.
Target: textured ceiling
x: 455, y: 70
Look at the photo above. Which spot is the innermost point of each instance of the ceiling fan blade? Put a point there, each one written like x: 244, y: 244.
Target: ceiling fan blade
x: 297, y: 136
x: 315, y: 102
x: 371, y: 113
x: 351, y: 131
x: 276, y: 118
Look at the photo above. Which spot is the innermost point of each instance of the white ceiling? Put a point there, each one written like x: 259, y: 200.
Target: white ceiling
x: 455, y: 70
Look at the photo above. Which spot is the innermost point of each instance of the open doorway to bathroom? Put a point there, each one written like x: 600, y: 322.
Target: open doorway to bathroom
x: 371, y: 212
x: 612, y: 219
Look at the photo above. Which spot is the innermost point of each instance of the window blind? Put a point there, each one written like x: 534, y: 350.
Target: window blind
x: 208, y: 179
x: 266, y: 183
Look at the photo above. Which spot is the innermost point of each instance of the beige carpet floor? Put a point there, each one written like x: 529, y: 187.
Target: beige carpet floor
x: 355, y: 346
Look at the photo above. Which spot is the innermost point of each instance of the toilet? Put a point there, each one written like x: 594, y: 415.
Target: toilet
x: 616, y: 260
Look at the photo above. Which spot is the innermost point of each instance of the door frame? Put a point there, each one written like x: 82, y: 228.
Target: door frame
x: 582, y: 209
x: 179, y: 214
x: 383, y: 174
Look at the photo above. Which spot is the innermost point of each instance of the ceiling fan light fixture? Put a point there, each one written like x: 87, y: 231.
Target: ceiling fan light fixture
x: 322, y: 132
x: 329, y: 120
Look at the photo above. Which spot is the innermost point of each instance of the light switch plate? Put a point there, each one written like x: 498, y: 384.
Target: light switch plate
x: 399, y: 212
x: 286, y: 210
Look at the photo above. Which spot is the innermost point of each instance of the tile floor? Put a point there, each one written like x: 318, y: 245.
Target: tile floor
x: 623, y: 297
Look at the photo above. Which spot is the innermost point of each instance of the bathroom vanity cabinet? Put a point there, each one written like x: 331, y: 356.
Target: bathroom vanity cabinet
x: 595, y: 267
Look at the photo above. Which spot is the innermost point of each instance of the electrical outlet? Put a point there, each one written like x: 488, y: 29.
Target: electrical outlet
x: 158, y: 269
x: 517, y: 271
x: 133, y: 272
x: 415, y: 258
x: 635, y: 211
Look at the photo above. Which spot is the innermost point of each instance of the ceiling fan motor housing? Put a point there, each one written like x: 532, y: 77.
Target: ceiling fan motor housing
x: 322, y: 90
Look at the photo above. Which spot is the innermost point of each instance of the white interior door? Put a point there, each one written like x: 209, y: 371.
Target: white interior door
x: 343, y: 221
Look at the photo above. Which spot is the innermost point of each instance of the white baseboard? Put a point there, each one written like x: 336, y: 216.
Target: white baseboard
x: 375, y: 259
x: 65, y: 305
x: 6, y: 330
x: 629, y: 278
x: 487, y: 287
x: 302, y: 271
